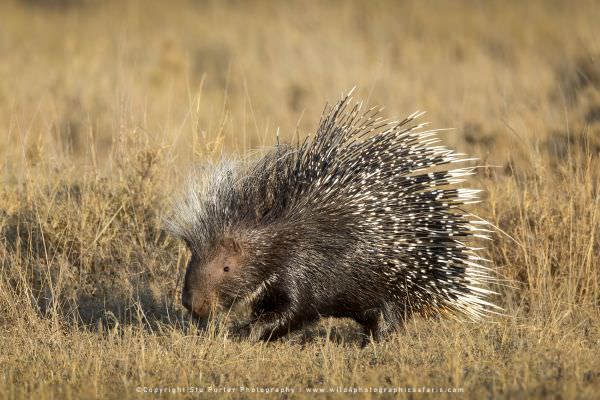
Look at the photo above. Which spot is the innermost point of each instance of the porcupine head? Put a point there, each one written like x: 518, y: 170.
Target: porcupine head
x: 220, y: 271
x: 234, y: 250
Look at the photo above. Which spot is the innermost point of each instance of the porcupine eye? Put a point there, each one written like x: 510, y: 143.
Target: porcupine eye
x: 226, y: 268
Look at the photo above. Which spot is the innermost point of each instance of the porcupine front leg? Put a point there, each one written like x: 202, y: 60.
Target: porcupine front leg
x: 276, y: 314
x: 272, y: 326
x: 264, y: 327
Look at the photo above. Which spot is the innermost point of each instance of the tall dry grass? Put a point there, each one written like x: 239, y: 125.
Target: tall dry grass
x: 105, y: 107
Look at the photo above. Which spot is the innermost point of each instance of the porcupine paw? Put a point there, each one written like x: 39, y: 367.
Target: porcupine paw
x: 240, y: 330
x: 253, y: 331
x: 378, y: 324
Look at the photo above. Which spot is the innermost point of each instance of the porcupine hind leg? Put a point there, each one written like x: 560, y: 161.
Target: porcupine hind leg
x: 379, y: 322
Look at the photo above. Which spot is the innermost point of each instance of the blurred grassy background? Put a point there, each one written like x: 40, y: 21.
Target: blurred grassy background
x: 106, y: 105
x: 78, y: 72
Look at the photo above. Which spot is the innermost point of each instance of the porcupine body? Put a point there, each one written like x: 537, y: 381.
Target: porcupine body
x: 363, y: 220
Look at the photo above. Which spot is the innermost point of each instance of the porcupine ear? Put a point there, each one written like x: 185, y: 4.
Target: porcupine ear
x: 231, y: 245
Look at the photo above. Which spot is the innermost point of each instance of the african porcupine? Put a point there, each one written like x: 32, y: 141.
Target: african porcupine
x: 356, y: 222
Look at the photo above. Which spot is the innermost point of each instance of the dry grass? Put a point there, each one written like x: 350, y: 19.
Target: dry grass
x: 105, y: 105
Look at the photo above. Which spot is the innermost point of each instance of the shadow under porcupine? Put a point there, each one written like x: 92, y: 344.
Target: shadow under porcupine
x: 357, y: 222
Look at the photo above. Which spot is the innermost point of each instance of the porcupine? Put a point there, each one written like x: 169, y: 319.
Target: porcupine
x: 364, y: 220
